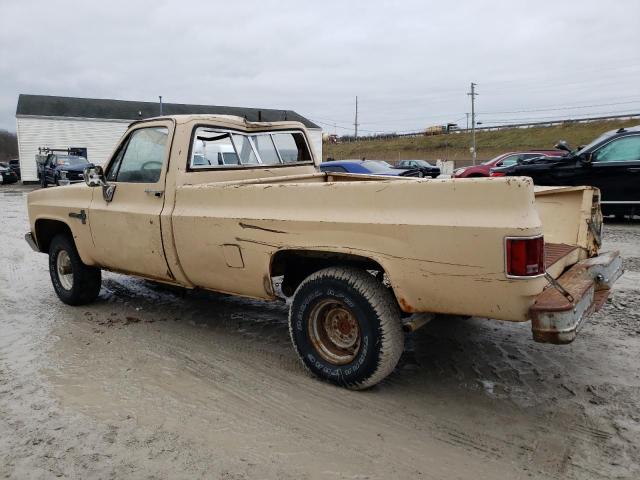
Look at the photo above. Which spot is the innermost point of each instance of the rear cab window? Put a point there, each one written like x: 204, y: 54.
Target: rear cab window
x: 217, y: 148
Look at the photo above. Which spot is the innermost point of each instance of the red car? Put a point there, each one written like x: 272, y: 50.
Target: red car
x: 503, y: 160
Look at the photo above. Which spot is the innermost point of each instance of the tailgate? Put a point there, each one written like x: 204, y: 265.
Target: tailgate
x: 571, y: 223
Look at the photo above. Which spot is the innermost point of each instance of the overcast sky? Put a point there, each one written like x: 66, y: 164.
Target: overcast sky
x: 409, y: 62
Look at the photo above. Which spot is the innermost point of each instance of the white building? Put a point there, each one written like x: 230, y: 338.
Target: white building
x: 98, y: 124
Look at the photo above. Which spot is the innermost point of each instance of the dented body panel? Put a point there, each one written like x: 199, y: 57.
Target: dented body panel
x: 439, y: 242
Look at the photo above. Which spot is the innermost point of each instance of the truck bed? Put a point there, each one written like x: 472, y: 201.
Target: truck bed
x: 441, y: 242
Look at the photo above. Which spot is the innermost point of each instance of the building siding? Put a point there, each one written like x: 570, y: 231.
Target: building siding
x: 99, y: 137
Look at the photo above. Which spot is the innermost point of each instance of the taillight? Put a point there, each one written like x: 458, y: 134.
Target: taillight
x: 498, y: 174
x: 525, y: 256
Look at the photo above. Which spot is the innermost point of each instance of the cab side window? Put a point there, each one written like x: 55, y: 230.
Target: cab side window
x: 141, y: 158
x: 510, y: 160
x: 626, y: 149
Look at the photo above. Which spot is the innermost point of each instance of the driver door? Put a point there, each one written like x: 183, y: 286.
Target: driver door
x: 126, y: 231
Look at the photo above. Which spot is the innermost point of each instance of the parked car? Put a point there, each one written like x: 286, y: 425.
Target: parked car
x: 422, y: 166
x: 14, y: 164
x: 368, y: 167
x: 611, y: 163
x: 7, y: 175
x: 504, y: 160
x: 352, y: 253
x: 62, y: 169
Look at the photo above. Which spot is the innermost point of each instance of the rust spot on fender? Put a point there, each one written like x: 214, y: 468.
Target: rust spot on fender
x: 404, y: 305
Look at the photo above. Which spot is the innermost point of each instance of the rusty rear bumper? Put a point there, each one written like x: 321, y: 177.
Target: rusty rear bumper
x: 556, y: 318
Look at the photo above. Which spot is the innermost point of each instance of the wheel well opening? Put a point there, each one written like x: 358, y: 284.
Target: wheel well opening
x: 47, y: 229
x: 296, y: 265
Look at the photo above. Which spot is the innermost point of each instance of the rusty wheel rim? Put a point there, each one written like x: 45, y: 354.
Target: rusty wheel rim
x: 334, y: 332
x: 65, y: 271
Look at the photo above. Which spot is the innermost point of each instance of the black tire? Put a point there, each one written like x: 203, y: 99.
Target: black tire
x: 363, y: 299
x: 85, y: 281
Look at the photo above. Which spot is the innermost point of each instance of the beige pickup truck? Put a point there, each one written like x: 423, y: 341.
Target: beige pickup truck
x: 219, y: 203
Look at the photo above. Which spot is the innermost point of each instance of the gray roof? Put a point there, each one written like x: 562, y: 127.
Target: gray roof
x: 50, y: 106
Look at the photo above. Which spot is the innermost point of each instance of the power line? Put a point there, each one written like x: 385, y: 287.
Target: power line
x: 561, y: 108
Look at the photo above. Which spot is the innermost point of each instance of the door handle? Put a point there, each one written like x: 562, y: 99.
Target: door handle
x: 634, y: 170
x: 155, y: 193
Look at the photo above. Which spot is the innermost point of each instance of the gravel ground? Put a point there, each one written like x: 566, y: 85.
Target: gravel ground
x: 153, y: 382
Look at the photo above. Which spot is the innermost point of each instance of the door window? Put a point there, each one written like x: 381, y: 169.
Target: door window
x: 140, y: 160
x: 510, y: 160
x: 626, y: 149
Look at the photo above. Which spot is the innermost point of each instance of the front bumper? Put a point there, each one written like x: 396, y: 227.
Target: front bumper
x: 31, y: 241
x: 555, y: 318
x: 8, y: 177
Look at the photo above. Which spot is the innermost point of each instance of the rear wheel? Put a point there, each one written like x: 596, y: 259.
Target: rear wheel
x: 74, y: 282
x: 345, y: 326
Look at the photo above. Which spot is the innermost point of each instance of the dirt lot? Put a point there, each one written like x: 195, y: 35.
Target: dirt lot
x: 151, y: 382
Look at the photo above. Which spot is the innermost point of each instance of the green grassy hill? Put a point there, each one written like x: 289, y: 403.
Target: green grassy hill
x: 456, y: 146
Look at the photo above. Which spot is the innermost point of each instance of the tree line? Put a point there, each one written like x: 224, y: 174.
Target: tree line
x: 8, y: 145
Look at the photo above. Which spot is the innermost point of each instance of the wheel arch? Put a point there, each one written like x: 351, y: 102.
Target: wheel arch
x: 46, y: 229
x: 297, y: 264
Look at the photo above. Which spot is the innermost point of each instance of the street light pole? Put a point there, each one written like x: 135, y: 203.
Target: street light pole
x: 473, y: 94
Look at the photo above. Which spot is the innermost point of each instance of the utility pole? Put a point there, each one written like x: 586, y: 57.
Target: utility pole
x: 467, y: 114
x: 473, y: 94
x: 356, y: 122
x: 160, y: 97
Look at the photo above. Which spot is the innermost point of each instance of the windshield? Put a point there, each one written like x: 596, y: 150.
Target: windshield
x: 492, y: 160
x: 378, y: 167
x: 4, y: 165
x: 71, y: 160
x: 595, y: 142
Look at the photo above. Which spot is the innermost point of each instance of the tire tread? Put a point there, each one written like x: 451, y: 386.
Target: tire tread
x: 383, y: 303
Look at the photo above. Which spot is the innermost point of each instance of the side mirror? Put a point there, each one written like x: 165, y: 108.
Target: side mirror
x: 94, y: 177
x: 562, y: 145
x: 587, y: 159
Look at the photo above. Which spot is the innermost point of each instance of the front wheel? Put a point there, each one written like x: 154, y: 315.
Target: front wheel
x: 74, y: 282
x: 345, y: 326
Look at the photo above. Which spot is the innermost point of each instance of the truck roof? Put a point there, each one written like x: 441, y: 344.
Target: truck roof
x: 226, y: 120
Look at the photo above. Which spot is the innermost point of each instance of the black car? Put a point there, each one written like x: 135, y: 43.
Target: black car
x: 62, y: 169
x: 15, y: 166
x: 611, y: 163
x: 7, y: 175
x: 422, y: 168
